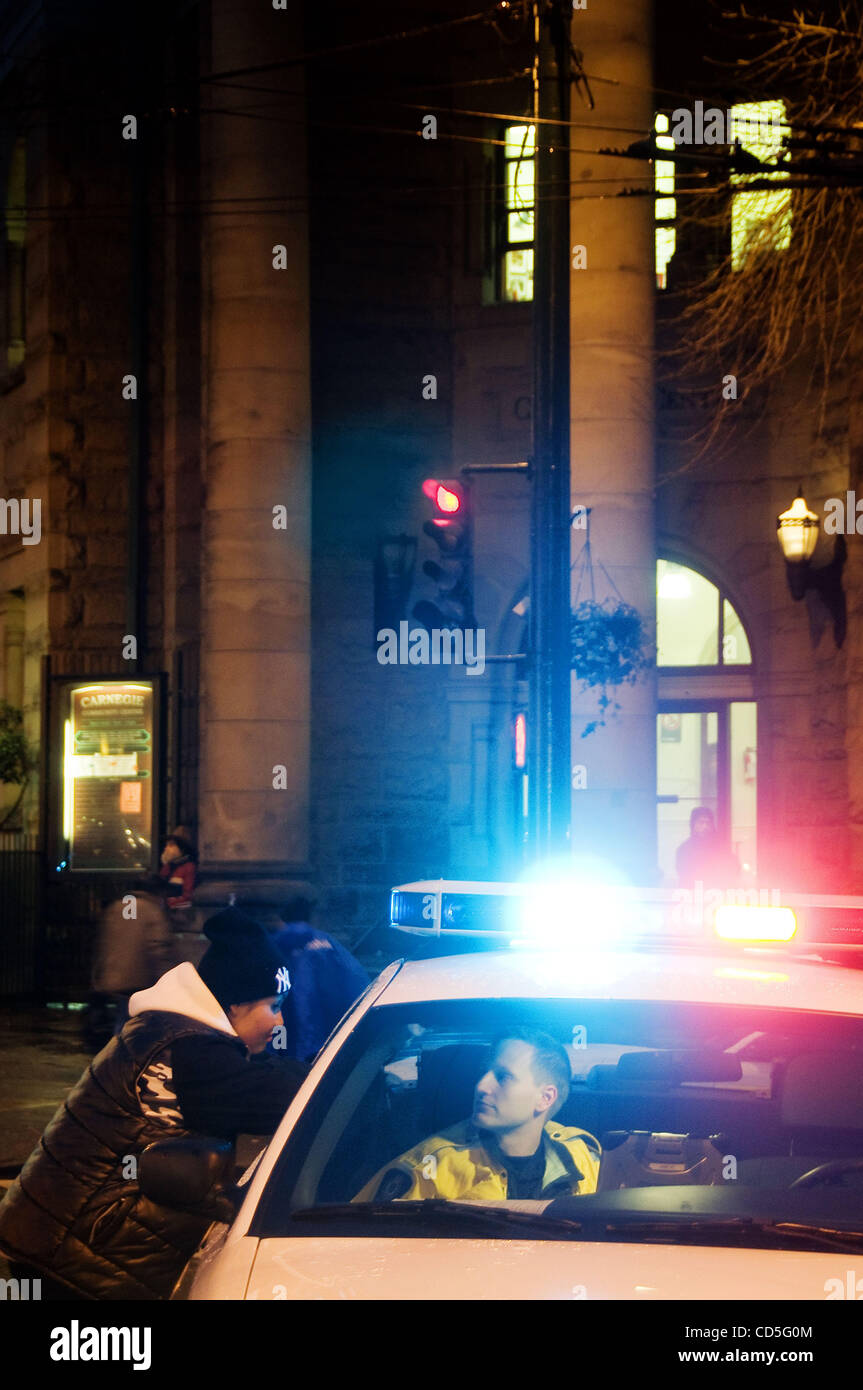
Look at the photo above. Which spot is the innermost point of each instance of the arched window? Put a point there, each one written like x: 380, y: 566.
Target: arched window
x: 696, y: 624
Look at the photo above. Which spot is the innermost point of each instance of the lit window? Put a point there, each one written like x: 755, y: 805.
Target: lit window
x: 664, y: 207
x: 696, y: 625
x: 760, y: 220
x: 735, y: 643
x: 519, y: 165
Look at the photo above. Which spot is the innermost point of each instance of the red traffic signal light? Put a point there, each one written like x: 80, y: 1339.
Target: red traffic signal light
x: 448, y: 601
x: 447, y: 496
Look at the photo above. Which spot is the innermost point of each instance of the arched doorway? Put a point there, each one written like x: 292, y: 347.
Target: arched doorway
x: 706, y: 723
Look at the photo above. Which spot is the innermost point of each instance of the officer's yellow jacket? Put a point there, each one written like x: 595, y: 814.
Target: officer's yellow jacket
x: 456, y: 1164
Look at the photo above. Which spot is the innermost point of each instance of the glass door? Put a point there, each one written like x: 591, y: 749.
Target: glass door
x: 743, y: 782
x: 706, y: 755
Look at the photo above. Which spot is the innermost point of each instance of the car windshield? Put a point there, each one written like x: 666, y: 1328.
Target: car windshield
x: 685, y: 1121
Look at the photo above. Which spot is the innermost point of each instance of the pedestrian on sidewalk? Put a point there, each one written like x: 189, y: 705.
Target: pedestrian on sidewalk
x: 136, y: 945
x: 325, y: 980
x: 180, y: 869
x: 705, y: 856
x: 187, y: 1063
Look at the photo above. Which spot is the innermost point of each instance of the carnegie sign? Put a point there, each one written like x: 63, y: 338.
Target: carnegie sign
x: 114, y: 697
x: 108, y: 767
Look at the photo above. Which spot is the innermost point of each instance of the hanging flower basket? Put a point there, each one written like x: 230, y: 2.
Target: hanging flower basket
x: 610, y: 646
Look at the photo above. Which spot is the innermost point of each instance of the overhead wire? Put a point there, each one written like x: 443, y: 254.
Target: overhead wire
x: 402, y: 35
x: 265, y: 111
x: 223, y: 81
x: 691, y: 184
x: 628, y: 188
x: 491, y: 141
x: 627, y: 184
x: 498, y: 9
x: 788, y: 126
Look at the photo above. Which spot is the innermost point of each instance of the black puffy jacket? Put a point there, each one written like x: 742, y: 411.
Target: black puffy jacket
x: 75, y: 1211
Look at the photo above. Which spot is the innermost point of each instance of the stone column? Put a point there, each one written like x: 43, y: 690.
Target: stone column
x: 853, y: 585
x: 255, y: 579
x: 612, y: 435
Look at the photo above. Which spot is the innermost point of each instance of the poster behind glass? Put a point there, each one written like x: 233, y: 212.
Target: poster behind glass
x: 108, y: 775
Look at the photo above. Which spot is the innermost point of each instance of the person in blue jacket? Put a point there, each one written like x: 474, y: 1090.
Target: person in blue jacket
x: 325, y: 980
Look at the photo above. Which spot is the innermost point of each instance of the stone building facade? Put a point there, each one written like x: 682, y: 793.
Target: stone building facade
x: 304, y: 262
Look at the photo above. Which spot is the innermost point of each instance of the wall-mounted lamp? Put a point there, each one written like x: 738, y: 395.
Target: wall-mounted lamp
x: 798, y: 536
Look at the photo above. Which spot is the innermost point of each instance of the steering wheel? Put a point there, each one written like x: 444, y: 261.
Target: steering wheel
x: 828, y: 1172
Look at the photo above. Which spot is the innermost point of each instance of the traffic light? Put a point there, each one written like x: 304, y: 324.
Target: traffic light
x: 447, y: 601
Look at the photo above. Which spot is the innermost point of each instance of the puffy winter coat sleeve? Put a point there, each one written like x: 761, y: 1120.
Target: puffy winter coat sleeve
x: 222, y: 1092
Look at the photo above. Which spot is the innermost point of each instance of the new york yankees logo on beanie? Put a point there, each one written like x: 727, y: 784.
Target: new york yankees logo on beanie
x: 241, y: 965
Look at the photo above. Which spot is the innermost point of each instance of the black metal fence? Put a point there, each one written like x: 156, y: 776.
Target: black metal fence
x: 69, y: 932
x: 47, y: 929
x: 21, y: 915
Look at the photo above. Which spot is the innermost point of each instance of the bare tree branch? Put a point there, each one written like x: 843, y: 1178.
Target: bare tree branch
x: 803, y: 301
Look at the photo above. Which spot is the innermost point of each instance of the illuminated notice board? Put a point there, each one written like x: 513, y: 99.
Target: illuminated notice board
x: 108, y: 795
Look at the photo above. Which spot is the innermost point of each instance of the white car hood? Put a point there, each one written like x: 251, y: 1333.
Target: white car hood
x: 335, y: 1268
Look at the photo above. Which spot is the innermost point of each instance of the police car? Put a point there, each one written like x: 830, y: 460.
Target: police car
x: 717, y: 1072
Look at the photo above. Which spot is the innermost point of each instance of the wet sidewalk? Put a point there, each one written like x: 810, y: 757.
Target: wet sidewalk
x: 42, y: 1054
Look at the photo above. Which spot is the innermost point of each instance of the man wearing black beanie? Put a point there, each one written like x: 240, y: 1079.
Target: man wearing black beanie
x: 191, y: 1060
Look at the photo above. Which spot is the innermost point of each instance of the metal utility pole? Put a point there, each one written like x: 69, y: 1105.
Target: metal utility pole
x: 549, y: 775
x: 139, y: 419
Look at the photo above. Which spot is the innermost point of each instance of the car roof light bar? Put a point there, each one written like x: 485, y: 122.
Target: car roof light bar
x: 489, y: 910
